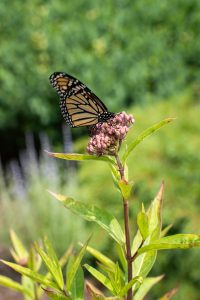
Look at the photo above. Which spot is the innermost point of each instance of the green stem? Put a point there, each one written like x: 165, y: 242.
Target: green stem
x: 127, y: 229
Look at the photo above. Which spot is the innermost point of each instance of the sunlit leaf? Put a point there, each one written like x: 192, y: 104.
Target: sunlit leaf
x: 122, y: 257
x: 53, y: 266
x: 7, y: 282
x: 177, y: 241
x: 100, y: 277
x: 143, y: 224
x: 166, y: 230
x: 80, y: 157
x: 77, y: 288
x: 126, y: 188
x: 155, y: 214
x: 95, y: 214
x: 71, y: 271
x: 144, y: 263
x: 101, y: 257
x: 145, y: 287
x: 55, y: 295
x: 31, y: 274
x: 29, y: 285
x: 143, y: 135
x: 127, y: 287
x: 20, y: 251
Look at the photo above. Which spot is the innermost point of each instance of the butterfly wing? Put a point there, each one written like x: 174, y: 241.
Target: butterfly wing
x: 79, y: 105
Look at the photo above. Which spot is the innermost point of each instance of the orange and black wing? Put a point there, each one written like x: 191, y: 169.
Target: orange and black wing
x: 79, y: 106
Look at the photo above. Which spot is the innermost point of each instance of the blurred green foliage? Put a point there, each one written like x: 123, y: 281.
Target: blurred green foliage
x: 126, y: 51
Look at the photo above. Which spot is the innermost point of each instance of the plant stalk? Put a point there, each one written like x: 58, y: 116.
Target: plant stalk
x: 128, y: 245
x: 127, y: 229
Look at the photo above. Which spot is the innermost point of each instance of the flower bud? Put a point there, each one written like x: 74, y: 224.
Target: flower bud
x: 107, y: 136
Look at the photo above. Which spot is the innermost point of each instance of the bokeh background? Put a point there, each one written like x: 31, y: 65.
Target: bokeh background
x: 141, y: 56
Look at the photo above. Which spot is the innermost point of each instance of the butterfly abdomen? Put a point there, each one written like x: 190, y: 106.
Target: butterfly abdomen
x: 105, y: 116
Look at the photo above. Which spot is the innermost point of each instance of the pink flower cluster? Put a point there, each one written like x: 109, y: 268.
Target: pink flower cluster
x: 107, y: 137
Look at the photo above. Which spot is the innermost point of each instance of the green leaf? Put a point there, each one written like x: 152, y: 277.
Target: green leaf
x: 115, y: 279
x: 31, y: 274
x: 101, y: 257
x: 166, y: 230
x: 81, y: 157
x: 7, y: 282
x: 125, y: 188
x: 77, y: 288
x: 20, y: 250
x: 71, y: 271
x: 122, y: 257
x: 177, y: 241
x: 65, y: 256
x: 169, y: 294
x: 34, y: 261
x: 144, y: 263
x: 143, y: 135
x: 52, y: 265
x: 137, y: 279
x: 155, y: 215
x: 56, y: 295
x: 100, y: 277
x: 29, y: 284
x: 94, y: 214
x: 52, y: 255
x: 147, y: 284
x: 143, y: 224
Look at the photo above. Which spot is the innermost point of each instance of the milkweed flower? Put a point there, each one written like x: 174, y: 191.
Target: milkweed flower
x: 107, y: 137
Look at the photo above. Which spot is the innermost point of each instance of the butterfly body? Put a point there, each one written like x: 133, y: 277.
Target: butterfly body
x: 79, y: 105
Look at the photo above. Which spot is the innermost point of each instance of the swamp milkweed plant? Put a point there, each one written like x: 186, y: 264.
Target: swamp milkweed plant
x: 126, y: 277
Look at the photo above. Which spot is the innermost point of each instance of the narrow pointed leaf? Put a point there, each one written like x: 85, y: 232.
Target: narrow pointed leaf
x: 155, y: 214
x: 94, y: 214
x: 143, y: 224
x: 19, y: 248
x: 28, y: 284
x: 177, y: 241
x: 169, y: 294
x: 62, y: 262
x: 144, y: 263
x: 125, y: 188
x: 7, y: 282
x: 52, y: 255
x: 166, y: 230
x: 137, y: 279
x: 56, y: 295
x: 145, y: 287
x: 80, y: 157
x: 143, y: 135
x: 34, y: 261
x: 101, y: 257
x: 77, y: 288
x: 52, y: 266
x: 122, y: 257
x: 31, y: 274
x: 71, y: 272
x: 64, y: 258
x: 100, y: 277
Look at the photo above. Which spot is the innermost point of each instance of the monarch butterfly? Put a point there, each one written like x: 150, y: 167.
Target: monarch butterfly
x: 79, y: 105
